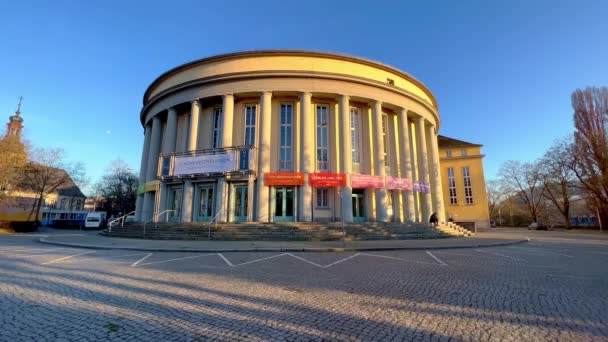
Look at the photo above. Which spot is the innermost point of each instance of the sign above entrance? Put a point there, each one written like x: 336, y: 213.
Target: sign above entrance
x: 283, y: 178
x: 326, y: 179
x: 394, y: 183
x: 366, y: 181
x: 212, y: 163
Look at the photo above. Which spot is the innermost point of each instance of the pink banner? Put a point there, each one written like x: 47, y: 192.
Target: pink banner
x: 366, y: 181
x: 394, y: 183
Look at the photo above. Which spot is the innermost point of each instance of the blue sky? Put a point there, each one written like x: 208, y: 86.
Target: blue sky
x: 502, y: 71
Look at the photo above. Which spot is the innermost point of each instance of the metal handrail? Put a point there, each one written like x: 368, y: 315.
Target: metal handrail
x: 154, y: 218
x: 209, y: 224
x: 122, y: 219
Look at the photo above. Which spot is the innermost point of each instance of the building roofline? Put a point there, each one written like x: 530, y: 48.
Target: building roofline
x: 454, y: 142
x: 284, y: 52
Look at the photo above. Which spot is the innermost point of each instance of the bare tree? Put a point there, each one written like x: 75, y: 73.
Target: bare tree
x: 591, y: 144
x: 558, y: 177
x: 46, y: 172
x: 524, y: 179
x: 496, y: 195
x: 12, y: 159
x: 118, y: 187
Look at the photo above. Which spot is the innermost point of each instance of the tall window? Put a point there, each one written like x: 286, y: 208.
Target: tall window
x: 285, y: 155
x: 468, y: 191
x: 385, y: 138
x: 354, y: 135
x: 217, y: 127
x: 448, y: 153
x: 322, y: 158
x: 322, y: 198
x: 452, y: 186
x: 250, y: 114
x: 463, y: 152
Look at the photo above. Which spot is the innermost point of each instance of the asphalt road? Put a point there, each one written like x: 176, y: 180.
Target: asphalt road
x: 554, y: 288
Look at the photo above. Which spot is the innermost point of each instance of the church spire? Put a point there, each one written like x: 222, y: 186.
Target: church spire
x: 14, y: 125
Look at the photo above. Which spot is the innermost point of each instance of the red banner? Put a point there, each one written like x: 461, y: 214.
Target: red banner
x: 366, y: 181
x: 283, y: 178
x: 326, y: 179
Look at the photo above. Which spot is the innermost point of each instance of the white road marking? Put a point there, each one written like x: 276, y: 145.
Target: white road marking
x: 499, y: 254
x: 395, y: 258
x: 306, y: 261
x: 104, y: 257
x: 140, y: 260
x: 65, y: 258
x: 250, y: 262
x: 339, y: 261
x: 534, y: 250
x: 436, y: 258
x: 176, y: 259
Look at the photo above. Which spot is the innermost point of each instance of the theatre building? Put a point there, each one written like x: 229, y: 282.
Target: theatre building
x: 283, y: 135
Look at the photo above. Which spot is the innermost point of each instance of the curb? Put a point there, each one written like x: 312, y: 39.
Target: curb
x: 287, y: 249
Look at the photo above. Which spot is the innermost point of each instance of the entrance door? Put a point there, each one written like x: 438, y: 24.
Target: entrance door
x: 175, y: 204
x: 205, y: 203
x: 359, y: 206
x: 283, y: 204
x: 240, y: 203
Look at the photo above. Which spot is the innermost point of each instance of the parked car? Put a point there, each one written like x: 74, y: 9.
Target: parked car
x: 537, y: 226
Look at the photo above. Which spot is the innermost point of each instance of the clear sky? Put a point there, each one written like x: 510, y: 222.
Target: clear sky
x: 502, y: 71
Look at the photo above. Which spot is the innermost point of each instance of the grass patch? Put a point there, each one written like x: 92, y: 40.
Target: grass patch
x: 113, y: 327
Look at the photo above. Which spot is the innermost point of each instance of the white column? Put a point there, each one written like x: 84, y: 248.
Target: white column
x: 142, y: 171
x: 262, y: 214
x: 406, y: 164
x: 227, y: 120
x: 221, y: 194
x: 436, y: 186
x: 193, y: 130
x: 380, y: 168
x: 187, y: 200
x: 308, y: 153
x: 152, y: 167
x: 423, y: 167
x: 345, y: 147
x: 168, y: 147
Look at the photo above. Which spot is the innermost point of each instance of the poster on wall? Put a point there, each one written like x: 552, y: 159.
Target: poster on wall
x: 394, y: 183
x: 283, y: 178
x: 213, y: 163
x: 327, y: 179
x: 421, y: 186
x: 366, y: 181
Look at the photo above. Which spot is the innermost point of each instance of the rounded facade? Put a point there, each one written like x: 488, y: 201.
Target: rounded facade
x: 289, y: 136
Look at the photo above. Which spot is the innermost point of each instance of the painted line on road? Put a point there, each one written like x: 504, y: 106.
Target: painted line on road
x: 436, y: 258
x: 499, y: 254
x: 339, y: 261
x: 535, y: 250
x: 140, y: 260
x: 102, y: 258
x: 306, y: 261
x: 395, y: 258
x: 249, y: 262
x: 65, y: 258
x: 176, y: 259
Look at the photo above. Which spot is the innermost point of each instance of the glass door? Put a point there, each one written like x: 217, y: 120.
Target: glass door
x: 283, y: 204
x: 205, y: 203
x: 359, y: 206
x: 175, y: 204
x: 239, y: 208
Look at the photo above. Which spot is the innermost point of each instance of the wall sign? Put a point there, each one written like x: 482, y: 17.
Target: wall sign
x: 366, y: 181
x: 394, y: 183
x: 212, y: 163
x: 283, y: 178
x: 327, y: 179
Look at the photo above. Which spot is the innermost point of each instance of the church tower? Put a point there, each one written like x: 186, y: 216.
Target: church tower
x: 14, y: 126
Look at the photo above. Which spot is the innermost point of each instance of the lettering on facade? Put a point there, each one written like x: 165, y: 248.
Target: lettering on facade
x: 215, y: 163
x: 327, y: 179
x: 283, y: 178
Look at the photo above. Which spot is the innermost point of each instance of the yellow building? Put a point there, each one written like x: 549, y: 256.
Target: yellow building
x: 462, y: 177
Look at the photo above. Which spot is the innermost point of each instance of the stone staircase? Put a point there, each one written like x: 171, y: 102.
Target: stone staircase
x: 289, y: 231
x: 453, y: 229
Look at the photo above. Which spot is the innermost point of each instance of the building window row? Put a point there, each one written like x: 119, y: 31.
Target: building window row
x: 354, y: 135
x: 285, y: 148
x: 322, y: 138
x: 468, y: 191
x: 217, y: 127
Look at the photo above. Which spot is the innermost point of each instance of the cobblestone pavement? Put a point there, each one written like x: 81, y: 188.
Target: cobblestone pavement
x: 538, y: 291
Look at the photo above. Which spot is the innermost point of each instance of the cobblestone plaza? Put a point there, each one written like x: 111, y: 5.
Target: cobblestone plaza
x: 547, y: 289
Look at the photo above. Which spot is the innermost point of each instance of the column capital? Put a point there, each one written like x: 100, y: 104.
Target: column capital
x: 306, y: 94
x: 195, y: 102
x: 228, y: 95
x: 403, y: 111
x: 344, y: 96
x: 266, y: 93
x: 171, y: 109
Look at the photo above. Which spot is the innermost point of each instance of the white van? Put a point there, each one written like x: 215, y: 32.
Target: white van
x: 95, y: 220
